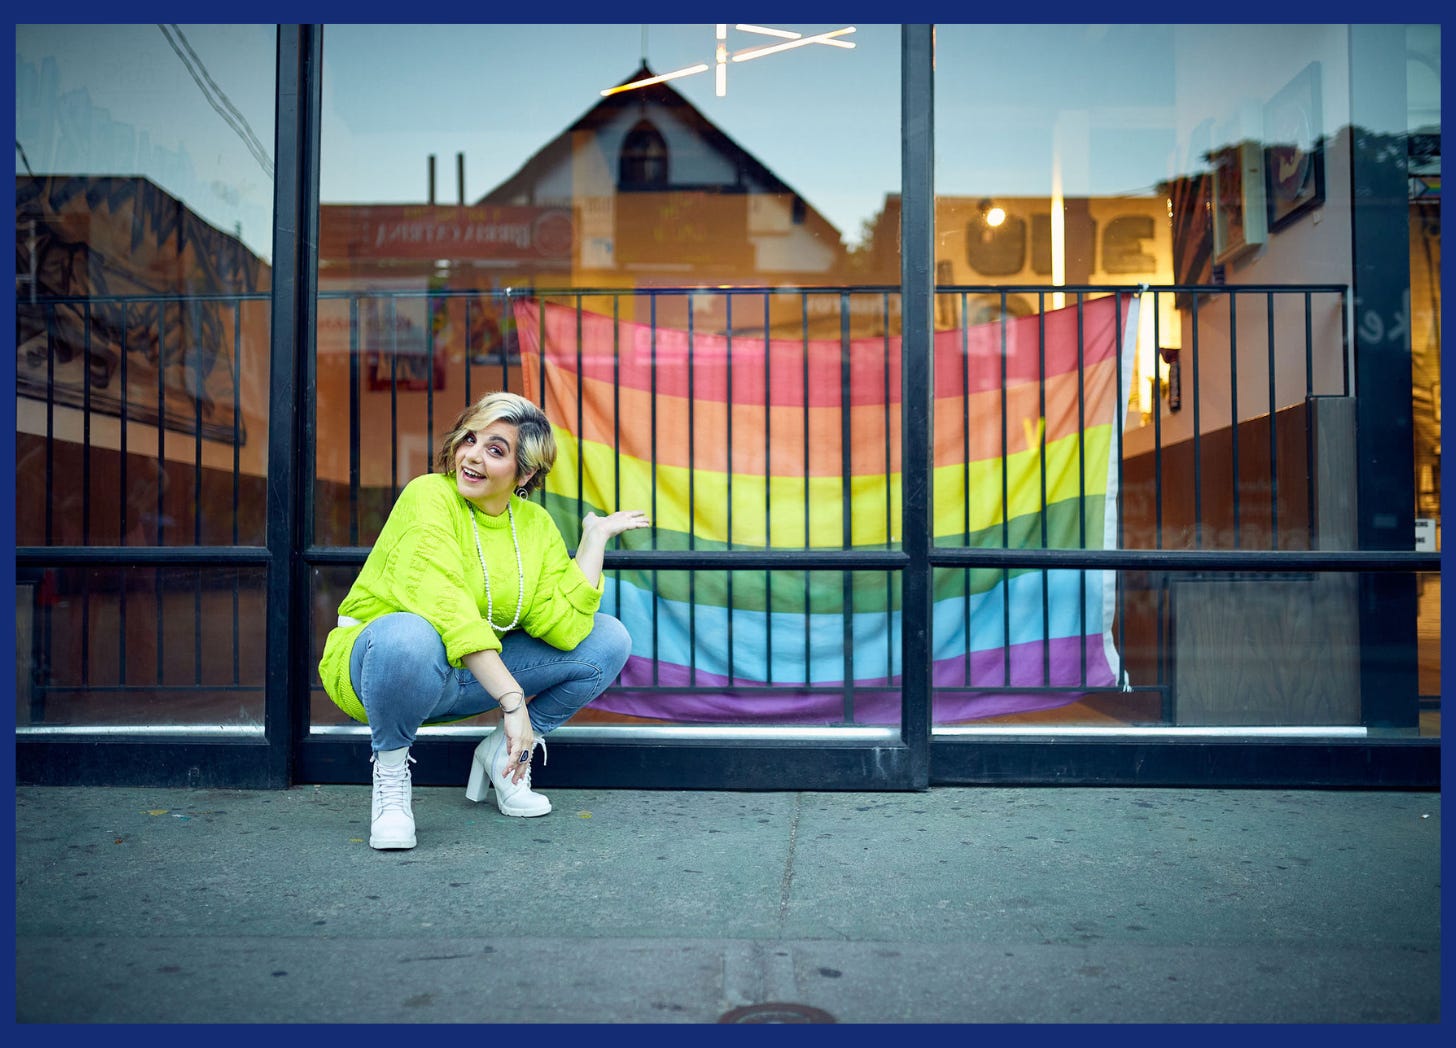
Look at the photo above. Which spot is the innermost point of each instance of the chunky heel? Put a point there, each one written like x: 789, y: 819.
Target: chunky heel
x: 488, y: 768
x: 479, y: 784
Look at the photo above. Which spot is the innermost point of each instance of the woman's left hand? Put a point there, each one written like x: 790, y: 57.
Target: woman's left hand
x: 520, y: 739
x: 615, y: 523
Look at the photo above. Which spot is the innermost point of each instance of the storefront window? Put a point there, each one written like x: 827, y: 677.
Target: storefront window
x: 679, y: 243
x: 144, y: 232
x: 1144, y: 258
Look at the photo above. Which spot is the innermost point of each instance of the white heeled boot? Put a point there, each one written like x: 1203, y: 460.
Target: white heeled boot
x: 488, y: 768
x: 391, y: 818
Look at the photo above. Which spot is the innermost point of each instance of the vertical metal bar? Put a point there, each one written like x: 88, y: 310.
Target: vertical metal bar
x: 808, y: 501
x: 617, y: 428
x: 917, y: 267
x: 1384, y: 412
x: 580, y: 439
x: 356, y: 430
x: 1273, y: 428
x: 197, y: 445
x: 846, y: 511
x: 157, y: 580
x: 692, y: 495
x: 728, y: 472
x: 1158, y: 492
x: 50, y: 427
x: 161, y: 420
x: 291, y: 393
x: 768, y: 576
x: 964, y: 421
x: 1041, y: 376
x: 432, y: 295
x: 236, y: 377
x: 1309, y: 434
x: 652, y: 386
x: 196, y: 500
x: 393, y: 314
x: 1082, y: 473
x: 86, y: 328
x: 1233, y: 298
x: 1197, y: 428
x: 469, y: 349
x: 123, y: 501
x: 888, y: 491
x: 1005, y: 498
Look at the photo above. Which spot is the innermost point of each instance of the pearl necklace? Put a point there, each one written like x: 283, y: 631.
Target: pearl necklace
x: 520, y: 574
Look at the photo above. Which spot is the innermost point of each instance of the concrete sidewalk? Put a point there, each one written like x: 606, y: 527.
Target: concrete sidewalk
x: 958, y: 905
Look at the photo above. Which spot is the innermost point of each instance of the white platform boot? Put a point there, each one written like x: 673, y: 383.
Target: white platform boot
x: 391, y: 818
x: 488, y: 768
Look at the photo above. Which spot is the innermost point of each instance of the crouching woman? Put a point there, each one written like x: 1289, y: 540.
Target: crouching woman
x: 469, y: 601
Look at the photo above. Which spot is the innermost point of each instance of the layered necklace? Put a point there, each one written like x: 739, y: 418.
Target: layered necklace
x: 520, y: 574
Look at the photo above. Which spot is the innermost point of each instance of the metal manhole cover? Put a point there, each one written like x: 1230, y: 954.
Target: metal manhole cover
x: 776, y: 1012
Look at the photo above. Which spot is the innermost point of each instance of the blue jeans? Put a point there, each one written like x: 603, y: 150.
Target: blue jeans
x: 400, y: 674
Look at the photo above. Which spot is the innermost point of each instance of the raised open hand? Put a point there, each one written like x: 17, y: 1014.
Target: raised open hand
x: 614, y: 523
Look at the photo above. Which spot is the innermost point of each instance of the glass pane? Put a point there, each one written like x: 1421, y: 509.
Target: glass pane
x: 144, y: 230
x: 142, y: 650
x: 1143, y: 343
x: 600, y: 241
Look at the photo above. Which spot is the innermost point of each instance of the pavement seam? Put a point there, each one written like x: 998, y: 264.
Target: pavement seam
x: 786, y: 885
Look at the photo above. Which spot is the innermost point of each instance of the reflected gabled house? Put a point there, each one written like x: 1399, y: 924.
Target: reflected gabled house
x: 641, y: 191
x: 662, y: 196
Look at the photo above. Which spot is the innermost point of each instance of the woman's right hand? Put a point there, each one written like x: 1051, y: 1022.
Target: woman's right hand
x: 520, y: 738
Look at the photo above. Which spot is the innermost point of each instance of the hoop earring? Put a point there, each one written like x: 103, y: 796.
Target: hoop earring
x: 523, y: 492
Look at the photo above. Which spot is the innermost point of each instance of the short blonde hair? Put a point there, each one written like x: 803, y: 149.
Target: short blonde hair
x: 535, y: 443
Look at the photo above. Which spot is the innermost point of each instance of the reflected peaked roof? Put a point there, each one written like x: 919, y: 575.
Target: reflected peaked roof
x: 519, y: 187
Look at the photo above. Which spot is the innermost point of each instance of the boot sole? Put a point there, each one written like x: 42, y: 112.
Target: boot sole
x: 391, y: 845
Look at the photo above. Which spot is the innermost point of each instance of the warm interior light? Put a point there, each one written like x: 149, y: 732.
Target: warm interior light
x: 1059, y: 234
x: 995, y: 216
x: 689, y: 71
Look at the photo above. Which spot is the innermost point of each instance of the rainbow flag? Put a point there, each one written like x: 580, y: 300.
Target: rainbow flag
x: 743, y: 443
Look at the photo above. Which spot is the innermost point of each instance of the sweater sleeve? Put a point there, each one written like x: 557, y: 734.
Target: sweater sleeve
x: 565, y: 603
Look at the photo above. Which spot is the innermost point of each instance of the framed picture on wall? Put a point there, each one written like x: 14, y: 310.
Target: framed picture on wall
x: 1239, y: 221
x: 1294, y: 161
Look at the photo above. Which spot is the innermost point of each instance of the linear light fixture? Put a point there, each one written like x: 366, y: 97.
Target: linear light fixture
x: 817, y: 38
x: 689, y: 71
x: 721, y: 56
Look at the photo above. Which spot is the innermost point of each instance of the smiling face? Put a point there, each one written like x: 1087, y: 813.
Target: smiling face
x: 485, y: 466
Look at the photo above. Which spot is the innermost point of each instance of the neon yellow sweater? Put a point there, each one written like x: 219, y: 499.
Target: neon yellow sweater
x: 425, y: 562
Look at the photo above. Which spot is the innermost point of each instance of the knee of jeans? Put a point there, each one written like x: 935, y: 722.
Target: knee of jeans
x: 408, y: 638
x: 616, y: 644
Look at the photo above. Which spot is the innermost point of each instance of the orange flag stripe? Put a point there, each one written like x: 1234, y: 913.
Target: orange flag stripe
x: 773, y: 442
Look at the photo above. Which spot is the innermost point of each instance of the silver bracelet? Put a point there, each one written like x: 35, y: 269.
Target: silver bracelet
x: 502, y: 705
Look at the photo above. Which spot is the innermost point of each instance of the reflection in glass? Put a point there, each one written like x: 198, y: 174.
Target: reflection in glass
x: 144, y: 228
x: 140, y: 649
x: 1205, y: 172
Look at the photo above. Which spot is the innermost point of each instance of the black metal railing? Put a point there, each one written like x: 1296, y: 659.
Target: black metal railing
x: 1193, y: 498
